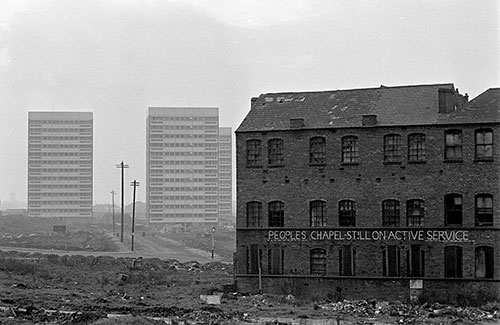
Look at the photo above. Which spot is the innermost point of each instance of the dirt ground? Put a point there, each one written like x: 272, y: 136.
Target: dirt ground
x: 42, y: 288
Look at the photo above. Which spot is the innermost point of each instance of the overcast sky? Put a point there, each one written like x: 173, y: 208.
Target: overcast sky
x: 116, y: 58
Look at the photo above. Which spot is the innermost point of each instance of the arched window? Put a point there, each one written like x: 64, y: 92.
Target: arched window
x: 484, y: 144
x: 484, y: 210
x: 390, y: 213
x: 254, y: 153
x: 276, y: 214
x: 317, y: 151
x: 317, y: 213
x: 415, y: 213
x: 347, y: 213
x: 416, y: 147
x: 350, y: 152
x: 392, y: 148
x: 318, y: 261
x: 275, y: 154
x: 254, y: 214
x: 452, y: 209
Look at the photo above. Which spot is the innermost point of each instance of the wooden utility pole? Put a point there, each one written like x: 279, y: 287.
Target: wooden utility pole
x: 113, y: 203
x: 122, y: 166
x: 134, y: 184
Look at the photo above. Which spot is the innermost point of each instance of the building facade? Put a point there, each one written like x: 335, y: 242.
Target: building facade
x: 183, y: 178
x: 225, y: 177
x: 385, y: 193
x: 60, y: 165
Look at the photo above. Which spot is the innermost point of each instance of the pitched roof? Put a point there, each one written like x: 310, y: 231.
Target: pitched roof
x: 401, y: 105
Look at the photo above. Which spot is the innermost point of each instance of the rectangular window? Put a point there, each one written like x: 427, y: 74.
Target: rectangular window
x: 484, y: 210
x: 390, y: 213
x: 416, y: 258
x: 275, y: 152
x: 392, y: 148
x: 391, y: 263
x: 317, y: 151
x: 254, y: 214
x: 318, y: 262
x: 350, y: 154
x: 415, y: 213
x: 453, y: 262
x: 347, y: 261
x: 484, y: 144
x: 276, y: 214
x: 275, y: 260
x: 347, y: 213
x: 317, y: 211
x: 453, y: 209
x: 453, y: 145
x: 254, y: 153
x: 416, y: 147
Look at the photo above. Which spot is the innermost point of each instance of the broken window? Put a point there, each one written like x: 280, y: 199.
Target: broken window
x: 254, y: 153
x: 254, y: 214
x: 390, y: 213
x: 317, y: 213
x: 391, y: 263
x: 484, y: 144
x: 392, y: 148
x: 453, y: 209
x: 276, y: 214
x: 484, y: 210
x: 453, y: 145
x: 347, y: 213
x: 347, y: 264
x: 318, y: 261
x: 484, y: 262
x: 453, y: 262
x: 416, y: 147
x: 275, y: 152
x: 317, y: 151
x: 350, y: 154
x: 415, y: 212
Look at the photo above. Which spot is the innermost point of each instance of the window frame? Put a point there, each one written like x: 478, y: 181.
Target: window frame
x: 317, y: 213
x: 275, y: 152
x: 276, y: 214
x: 275, y: 266
x: 392, y: 148
x: 416, y: 148
x: 350, y: 150
x: 484, y: 212
x: 317, y: 151
x: 391, y: 213
x: 347, y: 256
x: 254, y: 220
x: 484, y: 146
x: 254, y: 153
x: 450, y: 212
x: 416, y: 264
x: 391, y: 268
x: 317, y: 261
x: 454, y: 147
x: 413, y: 220
x: 347, y: 213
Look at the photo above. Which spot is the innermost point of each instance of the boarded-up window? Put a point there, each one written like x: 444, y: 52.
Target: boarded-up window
x: 318, y: 261
x: 347, y: 264
x: 453, y: 262
x: 391, y: 263
x: 275, y: 260
x: 416, y: 259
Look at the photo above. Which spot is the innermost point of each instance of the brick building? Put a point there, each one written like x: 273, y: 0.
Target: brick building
x: 383, y: 193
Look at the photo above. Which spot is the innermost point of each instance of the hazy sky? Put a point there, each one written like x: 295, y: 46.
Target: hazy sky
x: 117, y: 57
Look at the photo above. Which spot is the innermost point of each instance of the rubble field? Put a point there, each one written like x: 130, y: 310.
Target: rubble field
x: 74, y: 289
